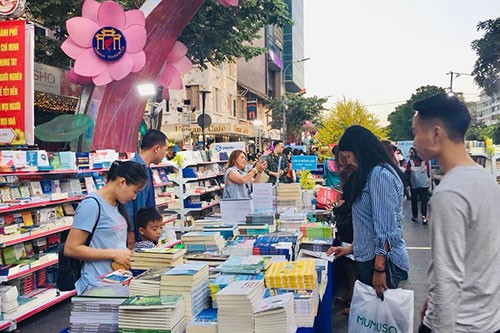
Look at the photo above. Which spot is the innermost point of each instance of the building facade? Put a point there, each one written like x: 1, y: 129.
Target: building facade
x: 488, y: 109
x: 293, y: 47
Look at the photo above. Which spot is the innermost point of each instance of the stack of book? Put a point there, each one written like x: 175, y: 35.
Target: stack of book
x: 222, y: 281
x: 316, y: 244
x: 147, y: 283
x: 97, y: 309
x: 152, y: 314
x: 191, y: 281
x: 236, y: 305
x: 289, y: 195
x: 226, y: 231
x: 275, y: 315
x: 205, y: 322
x: 239, y: 246
x: 316, y: 230
x: 260, y: 218
x: 291, y: 275
x: 276, y: 245
x: 143, y: 259
x: 207, y: 258
x: 253, y: 229
x: 292, y: 221
x: 8, y: 295
x: 305, y: 304
x: 203, y: 241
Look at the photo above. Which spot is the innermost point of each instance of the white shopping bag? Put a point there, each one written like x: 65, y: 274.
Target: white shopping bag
x: 370, y: 314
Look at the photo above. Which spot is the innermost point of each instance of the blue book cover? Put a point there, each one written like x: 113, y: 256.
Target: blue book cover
x: 99, y: 181
x: 187, y: 269
x: 206, y: 316
x: 46, y: 186
x: 31, y: 159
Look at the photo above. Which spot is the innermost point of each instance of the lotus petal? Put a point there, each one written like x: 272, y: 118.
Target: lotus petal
x: 229, y: 3
x: 72, y: 49
x: 134, y: 17
x: 184, y: 65
x: 121, y: 68
x: 88, y: 64
x: 139, y: 61
x: 171, y: 78
x: 177, y: 52
x: 136, y: 38
x: 89, y: 10
x: 78, y: 79
x: 82, y: 30
x: 102, y: 79
x: 111, y: 14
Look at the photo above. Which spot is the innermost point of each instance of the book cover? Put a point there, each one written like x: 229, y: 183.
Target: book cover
x: 151, y: 302
x: 68, y: 208
x: 24, y: 190
x: 83, y: 160
x: 187, y: 269
x: 90, y: 185
x: 118, y: 276
x: 99, y: 182
x: 59, y: 212
x: 31, y: 158
x: 54, y: 160
x: 46, y: 186
x: 5, y: 194
x: 36, y: 188
x: 27, y: 218
x: 68, y: 160
x: 56, y: 186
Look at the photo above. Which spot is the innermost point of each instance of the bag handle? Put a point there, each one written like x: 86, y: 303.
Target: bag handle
x: 89, y: 238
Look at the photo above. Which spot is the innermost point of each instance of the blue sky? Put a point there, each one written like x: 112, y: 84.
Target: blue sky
x: 381, y: 51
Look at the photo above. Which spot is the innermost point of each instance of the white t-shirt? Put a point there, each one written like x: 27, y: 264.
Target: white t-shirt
x: 464, y: 273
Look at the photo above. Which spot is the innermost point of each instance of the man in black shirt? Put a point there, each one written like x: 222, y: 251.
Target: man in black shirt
x: 277, y: 164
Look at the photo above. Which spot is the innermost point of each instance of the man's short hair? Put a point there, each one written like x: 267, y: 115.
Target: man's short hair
x: 146, y: 215
x: 276, y: 142
x: 152, y: 138
x: 449, y: 110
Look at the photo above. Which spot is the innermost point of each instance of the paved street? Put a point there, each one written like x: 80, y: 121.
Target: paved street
x: 417, y: 238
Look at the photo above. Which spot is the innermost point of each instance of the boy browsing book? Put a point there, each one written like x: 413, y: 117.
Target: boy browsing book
x: 148, y: 221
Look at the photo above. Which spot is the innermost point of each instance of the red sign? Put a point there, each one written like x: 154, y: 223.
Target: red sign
x: 12, y: 76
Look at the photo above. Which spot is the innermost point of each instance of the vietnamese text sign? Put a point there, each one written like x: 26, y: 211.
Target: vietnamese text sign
x: 304, y: 162
x: 12, y: 71
x: 262, y: 197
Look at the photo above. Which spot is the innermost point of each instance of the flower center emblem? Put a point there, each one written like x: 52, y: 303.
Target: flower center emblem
x: 109, y: 44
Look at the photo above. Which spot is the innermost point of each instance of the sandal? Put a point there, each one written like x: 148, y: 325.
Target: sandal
x: 347, y: 310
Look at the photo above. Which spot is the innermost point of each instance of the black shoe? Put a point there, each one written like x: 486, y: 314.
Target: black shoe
x: 424, y: 220
x: 414, y: 219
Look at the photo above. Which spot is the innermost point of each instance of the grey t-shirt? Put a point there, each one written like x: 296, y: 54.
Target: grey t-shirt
x: 110, y: 233
x: 464, y: 273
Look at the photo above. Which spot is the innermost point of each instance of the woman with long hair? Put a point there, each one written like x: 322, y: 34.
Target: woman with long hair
x: 102, y: 216
x: 238, y: 183
x: 376, y: 187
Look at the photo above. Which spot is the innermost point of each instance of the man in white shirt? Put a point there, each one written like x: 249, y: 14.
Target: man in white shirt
x: 464, y: 273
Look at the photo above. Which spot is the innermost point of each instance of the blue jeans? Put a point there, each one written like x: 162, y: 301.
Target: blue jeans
x: 394, y: 274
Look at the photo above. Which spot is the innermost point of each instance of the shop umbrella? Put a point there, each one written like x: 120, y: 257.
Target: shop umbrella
x: 64, y: 128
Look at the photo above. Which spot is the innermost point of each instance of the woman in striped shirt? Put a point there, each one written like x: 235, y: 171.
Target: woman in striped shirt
x: 377, y: 209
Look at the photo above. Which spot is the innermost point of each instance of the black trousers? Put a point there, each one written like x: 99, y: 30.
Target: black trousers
x: 421, y: 194
x: 425, y: 329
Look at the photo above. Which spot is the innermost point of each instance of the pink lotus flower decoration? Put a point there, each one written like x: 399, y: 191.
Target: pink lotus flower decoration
x: 176, y: 65
x: 78, y: 79
x: 113, y: 30
x: 228, y: 3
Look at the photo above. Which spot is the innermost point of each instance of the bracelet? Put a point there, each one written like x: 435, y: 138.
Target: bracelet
x: 379, y: 270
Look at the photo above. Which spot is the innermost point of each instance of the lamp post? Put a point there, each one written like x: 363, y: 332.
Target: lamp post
x: 283, y: 93
x: 149, y: 90
x: 456, y: 75
x: 203, y: 98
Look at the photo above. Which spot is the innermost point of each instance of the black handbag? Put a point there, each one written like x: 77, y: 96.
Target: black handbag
x: 70, y: 269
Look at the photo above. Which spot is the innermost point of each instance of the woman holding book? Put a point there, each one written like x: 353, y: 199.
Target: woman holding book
x: 102, y: 218
x: 238, y: 183
x: 376, y: 196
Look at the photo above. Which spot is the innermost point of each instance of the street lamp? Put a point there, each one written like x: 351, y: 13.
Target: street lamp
x: 155, y: 108
x: 456, y: 75
x: 203, y: 98
x: 283, y: 92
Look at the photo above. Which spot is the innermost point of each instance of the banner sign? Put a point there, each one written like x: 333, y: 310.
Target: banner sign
x: 12, y: 81
x: 224, y: 149
x: 251, y: 110
x: 304, y: 162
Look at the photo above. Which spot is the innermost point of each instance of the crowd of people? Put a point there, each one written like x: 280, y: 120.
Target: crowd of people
x: 374, y: 177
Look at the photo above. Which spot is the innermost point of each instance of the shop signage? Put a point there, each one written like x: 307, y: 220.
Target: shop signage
x: 228, y: 147
x: 53, y: 80
x: 243, y: 130
x: 12, y: 80
x: 212, y: 129
x: 304, y: 162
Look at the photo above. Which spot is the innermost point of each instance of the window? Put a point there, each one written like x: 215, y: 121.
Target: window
x: 193, y: 95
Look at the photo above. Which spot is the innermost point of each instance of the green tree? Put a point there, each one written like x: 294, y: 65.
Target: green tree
x: 214, y: 35
x: 487, y: 67
x: 400, y: 119
x: 345, y: 113
x: 299, y: 108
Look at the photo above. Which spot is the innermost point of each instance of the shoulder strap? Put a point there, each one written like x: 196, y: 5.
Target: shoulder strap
x: 89, y: 239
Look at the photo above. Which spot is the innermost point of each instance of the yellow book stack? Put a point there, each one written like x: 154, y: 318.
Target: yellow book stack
x: 291, y: 275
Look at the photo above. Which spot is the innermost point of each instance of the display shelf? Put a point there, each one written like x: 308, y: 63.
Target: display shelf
x: 203, y: 163
x: 39, y: 304
x: 202, y: 208
x: 35, y: 236
x: 4, y: 324
x: 28, y: 271
x: 186, y: 180
x: 164, y: 165
x: 36, y: 204
x: 166, y: 203
x: 21, y: 173
x: 173, y: 219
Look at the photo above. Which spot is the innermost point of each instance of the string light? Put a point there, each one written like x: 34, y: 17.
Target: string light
x: 56, y: 103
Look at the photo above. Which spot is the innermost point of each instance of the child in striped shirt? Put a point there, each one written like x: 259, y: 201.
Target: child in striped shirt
x: 148, y: 220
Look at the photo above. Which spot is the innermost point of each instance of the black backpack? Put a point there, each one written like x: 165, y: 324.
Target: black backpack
x: 70, y: 269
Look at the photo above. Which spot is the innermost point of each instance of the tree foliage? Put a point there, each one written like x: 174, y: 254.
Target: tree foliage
x: 299, y: 109
x: 487, y: 67
x: 345, y: 113
x: 399, y: 128
x: 215, y: 34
